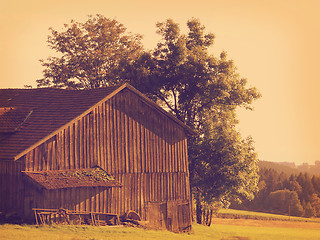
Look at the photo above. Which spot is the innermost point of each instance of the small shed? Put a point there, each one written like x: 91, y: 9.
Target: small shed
x: 105, y: 150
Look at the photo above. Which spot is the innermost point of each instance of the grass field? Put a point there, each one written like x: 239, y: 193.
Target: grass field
x: 222, y: 229
x: 216, y: 231
x: 240, y: 214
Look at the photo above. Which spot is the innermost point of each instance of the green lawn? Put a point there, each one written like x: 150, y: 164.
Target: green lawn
x: 232, y: 213
x: 217, y: 231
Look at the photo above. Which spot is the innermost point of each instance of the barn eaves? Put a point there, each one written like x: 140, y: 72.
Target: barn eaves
x: 58, y: 179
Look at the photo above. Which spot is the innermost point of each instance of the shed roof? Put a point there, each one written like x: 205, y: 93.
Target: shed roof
x: 40, y: 112
x: 57, y: 179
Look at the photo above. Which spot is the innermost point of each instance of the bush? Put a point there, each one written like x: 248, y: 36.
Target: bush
x: 284, y: 202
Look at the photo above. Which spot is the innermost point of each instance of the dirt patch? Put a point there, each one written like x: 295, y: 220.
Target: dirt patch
x: 265, y: 223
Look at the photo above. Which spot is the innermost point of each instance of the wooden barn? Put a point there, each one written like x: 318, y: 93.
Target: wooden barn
x: 106, y: 150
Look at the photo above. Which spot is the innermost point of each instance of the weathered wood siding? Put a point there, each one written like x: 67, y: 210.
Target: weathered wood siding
x: 11, y: 186
x: 123, y: 135
x: 143, y: 149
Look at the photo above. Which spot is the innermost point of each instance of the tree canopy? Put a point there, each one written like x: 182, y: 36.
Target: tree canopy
x: 201, y: 90
x: 90, y: 54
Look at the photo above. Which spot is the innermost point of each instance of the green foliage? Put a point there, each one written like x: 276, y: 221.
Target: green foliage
x: 315, y: 202
x: 271, y: 181
x: 203, y: 91
x: 309, y: 210
x: 284, y: 201
x: 91, y: 54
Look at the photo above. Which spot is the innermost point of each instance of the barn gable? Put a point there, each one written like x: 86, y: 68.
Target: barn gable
x: 128, y: 136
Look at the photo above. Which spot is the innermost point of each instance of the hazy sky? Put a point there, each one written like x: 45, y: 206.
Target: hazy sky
x: 275, y: 45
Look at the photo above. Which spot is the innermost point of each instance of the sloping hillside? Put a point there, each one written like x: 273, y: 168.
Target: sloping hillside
x: 295, y: 169
x: 278, y: 167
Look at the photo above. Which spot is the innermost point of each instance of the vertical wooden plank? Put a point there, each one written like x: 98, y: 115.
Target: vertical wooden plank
x: 77, y: 144
x: 151, y: 151
x: 89, y: 141
x: 126, y: 139
x: 54, y: 154
x: 174, y: 185
x: 84, y: 141
x: 181, y: 151
x: 97, y: 135
x: 67, y: 147
x: 100, y: 199
x: 163, y: 147
x: 109, y: 144
x: 102, y: 136
x: 113, y: 136
x: 177, y: 150
x: 126, y: 190
x: 88, y: 200
x: 167, y: 147
x: 110, y: 198
x: 158, y: 160
x: 31, y: 158
x: 49, y: 155
x: 171, y: 148
x: 72, y: 146
x: 139, y: 163
x: 81, y: 142
x: 120, y: 158
x: 58, y: 152
x: 135, y: 152
x: 94, y: 138
x: 135, y: 199
x: 123, y: 194
x: 130, y: 144
x: 157, y: 144
x: 123, y: 135
x: 82, y: 193
x: 93, y: 202
x: 97, y: 199
x: 142, y: 149
x: 155, y: 151
x: 62, y: 198
x: 104, y: 201
x: 116, y: 136
x: 77, y: 198
x: 36, y: 160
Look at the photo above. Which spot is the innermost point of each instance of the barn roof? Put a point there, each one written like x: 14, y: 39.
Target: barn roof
x: 11, y: 118
x: 29, y: 117
x: 57, y: 179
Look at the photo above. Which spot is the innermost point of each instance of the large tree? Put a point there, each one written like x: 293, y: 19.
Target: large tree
x: 90, y: 54
x: 204, y: 92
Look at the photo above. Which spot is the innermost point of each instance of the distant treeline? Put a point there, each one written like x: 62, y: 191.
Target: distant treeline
x: 281, y: 193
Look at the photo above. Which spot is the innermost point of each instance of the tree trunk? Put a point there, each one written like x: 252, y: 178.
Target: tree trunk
x: 199, y: 212
x: 210, y: 218
x: 206, y: 217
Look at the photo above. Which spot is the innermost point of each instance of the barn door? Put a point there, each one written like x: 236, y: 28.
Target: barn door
x: 184, y: 217
x: 156, y: 214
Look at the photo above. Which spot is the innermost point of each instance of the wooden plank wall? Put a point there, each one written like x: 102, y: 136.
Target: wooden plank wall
x: 145, y: 150
x: 11, y: 186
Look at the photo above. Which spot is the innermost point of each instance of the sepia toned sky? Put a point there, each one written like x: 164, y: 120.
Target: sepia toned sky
x: 274, y: 44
